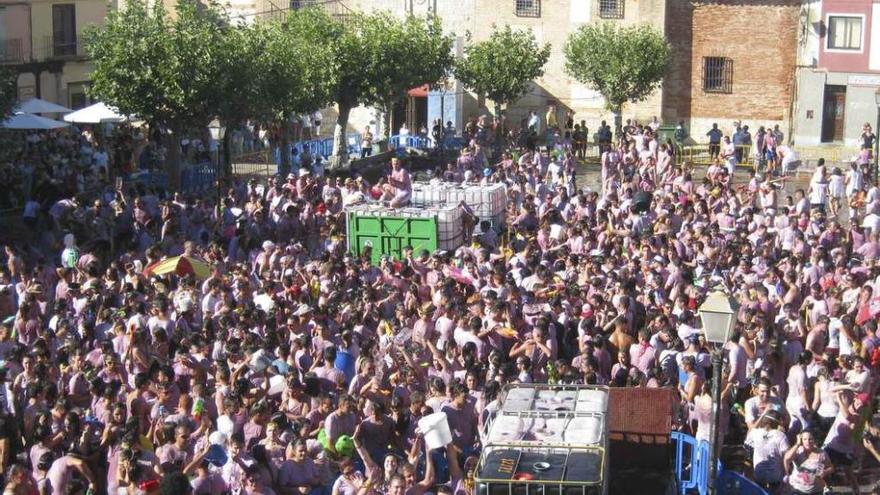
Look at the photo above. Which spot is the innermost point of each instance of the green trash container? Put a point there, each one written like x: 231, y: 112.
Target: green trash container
x: 666, y: 131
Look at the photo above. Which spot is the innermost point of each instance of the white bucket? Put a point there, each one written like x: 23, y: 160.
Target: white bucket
x: 217, y: 438
x: 435, y: 427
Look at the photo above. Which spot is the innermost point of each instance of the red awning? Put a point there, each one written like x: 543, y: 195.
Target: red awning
x: 419, y: 92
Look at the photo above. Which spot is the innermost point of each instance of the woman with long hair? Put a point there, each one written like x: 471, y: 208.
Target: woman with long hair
x: 806, y: 465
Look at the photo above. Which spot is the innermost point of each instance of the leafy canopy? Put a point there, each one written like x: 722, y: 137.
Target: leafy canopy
x: 378, y: 57
x: 502, y: 66
x: 237, y: 93
x: 160, y: 69
x: 294, y: 71
x: 623, y: 63
x: 8, y: 91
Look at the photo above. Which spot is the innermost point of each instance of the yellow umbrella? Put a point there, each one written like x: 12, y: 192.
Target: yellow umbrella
x: 180, y: 265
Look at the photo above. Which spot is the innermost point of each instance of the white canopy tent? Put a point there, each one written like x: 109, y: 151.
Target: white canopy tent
x: 36, y: 105
x: 95, y: 114
x: 27, y: 121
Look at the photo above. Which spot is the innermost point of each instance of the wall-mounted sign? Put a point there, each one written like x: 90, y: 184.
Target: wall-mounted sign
x: 863, y: 80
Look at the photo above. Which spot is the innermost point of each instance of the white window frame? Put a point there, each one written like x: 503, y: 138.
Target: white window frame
x: 827, y: 44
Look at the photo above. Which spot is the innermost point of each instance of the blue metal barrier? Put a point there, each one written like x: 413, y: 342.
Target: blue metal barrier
x: 354, y: 143
x: 686, y: 467
x: 193, y: 179
x: 320, y: 147
x: 454, y: 143
x: 198, y: 178
x: 731, y: 483
x: 418, y: 142
x: 153, y: 180
x: 691, y: 465
x: 703, y: 461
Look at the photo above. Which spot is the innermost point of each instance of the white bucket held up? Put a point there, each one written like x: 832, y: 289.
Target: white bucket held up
x: 435, y: 428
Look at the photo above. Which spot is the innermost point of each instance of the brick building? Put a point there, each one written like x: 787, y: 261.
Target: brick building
x: 732, y: 60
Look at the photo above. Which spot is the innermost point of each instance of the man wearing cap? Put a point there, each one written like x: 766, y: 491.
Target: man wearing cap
x: 305, y: 184
x: 290, y: 184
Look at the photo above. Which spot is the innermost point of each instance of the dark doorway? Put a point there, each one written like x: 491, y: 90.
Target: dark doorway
x: 398, y: 117
x: 833, y: 110
x: 417, y: 113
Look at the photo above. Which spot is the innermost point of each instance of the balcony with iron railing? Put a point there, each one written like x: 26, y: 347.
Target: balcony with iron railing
x: 66, y: 48
x: 278, y: 9
x: 12, y: 51
x: 45, y: 49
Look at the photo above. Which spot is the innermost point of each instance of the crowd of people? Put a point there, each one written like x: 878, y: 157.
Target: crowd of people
x: 121, y: 381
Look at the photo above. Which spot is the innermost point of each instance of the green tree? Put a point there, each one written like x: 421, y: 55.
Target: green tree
x: 238, y: 96
x: 163, y: 70
x: 502, y: 66
x: 624, y: 63
x: 294, y: 70
x: 8, y: 91
x: 377, y: 58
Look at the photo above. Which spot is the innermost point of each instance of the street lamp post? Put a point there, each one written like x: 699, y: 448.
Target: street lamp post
x: 876, y: 147
x: 218, y: 134
x: 718, y: 314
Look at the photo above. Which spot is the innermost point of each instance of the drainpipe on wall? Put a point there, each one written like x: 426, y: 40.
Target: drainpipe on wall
x: 792, y: 106
x: 37, y: 92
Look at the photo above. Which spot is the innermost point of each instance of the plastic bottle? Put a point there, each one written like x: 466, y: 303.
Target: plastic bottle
x: 198, y: 408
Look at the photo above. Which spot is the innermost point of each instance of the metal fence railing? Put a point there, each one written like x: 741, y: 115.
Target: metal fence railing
x: 55, y: 48
x: 321, y: 147
x: 691, y: 466
x: 198, y: 178
x: 194, y: 178
x: 417, y: 142
x: 702, y: 154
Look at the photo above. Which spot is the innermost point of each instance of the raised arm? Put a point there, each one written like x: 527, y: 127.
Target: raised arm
x: 369, y: 463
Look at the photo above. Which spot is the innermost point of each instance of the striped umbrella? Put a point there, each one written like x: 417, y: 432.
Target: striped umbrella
x: 180, y: 265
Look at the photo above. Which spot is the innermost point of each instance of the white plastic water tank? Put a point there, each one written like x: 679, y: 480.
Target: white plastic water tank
x: 521, y: 393
x: 507, y: 429
x: 584, y: 430
x: 590, y: 400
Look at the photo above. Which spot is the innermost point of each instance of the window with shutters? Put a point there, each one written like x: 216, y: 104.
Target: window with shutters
x: 611, y: 9
x: 717, y: 75
x: 528, y: 8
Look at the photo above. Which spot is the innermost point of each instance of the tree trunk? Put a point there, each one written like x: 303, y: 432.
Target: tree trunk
x: 227, y: 153
x: 499, y: 132
x: 389, y: 116
x: 283, y: 143
x: 340, y: 143
x: 172, y: 159
x: 618, y: 119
